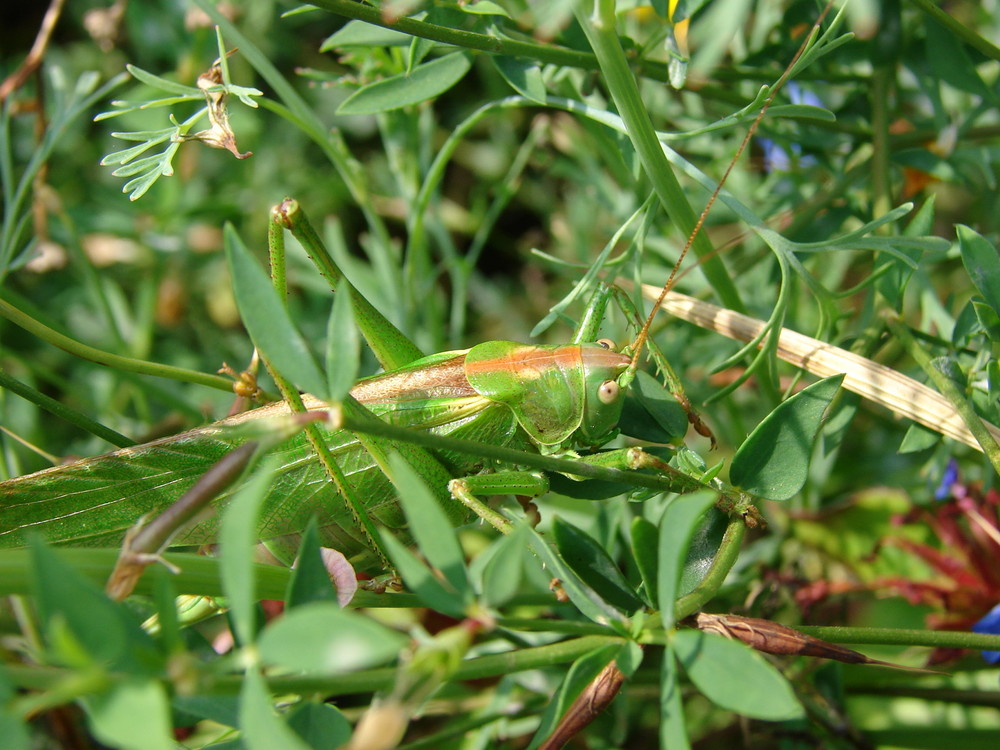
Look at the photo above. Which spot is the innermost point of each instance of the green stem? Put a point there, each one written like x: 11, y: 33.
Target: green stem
x: 903, y: 637
x: 949, y: 390
x: 108, y: 359
x: 722, y: 563
x: 64, y: 412
x: 956, y: 27
x: 601, y: 32
x: 198, y: 575
x: 494, y: 665
x: 543, y: 53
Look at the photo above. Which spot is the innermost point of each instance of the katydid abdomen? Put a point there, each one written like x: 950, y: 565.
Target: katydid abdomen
x: 499, y: 393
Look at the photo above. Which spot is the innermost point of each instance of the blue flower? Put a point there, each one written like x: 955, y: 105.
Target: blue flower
x: 990, y: 625
x: 950, y: 476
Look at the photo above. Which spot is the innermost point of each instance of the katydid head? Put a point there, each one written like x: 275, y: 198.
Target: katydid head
x: 604, y: 391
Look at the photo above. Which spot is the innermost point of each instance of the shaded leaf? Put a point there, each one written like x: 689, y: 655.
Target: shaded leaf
x: 982, y: 263
x: 237, y: 540
x: 590, y: 561
x: 524, y: 76
x: 434, y: 533
x: 262, y: 728
x: 773, y: 461
x: 677, y: 527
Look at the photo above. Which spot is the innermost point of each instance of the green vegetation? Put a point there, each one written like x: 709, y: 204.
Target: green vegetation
x: 477, y: 171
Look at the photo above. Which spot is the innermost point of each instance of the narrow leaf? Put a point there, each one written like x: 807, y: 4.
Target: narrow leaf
x: 677, y: 527
x: 773, y: 461
x: 590, y: 561
x: 262, y: 728
x: 644, y: 549
x: 163, y: 84
x: 524, y: 76
x: 651, y: 412
x: 237, y: 539
x: 673, y: 732
x: 309, y: 582
x: 323, y: 726
x: 735, y: 677
x: 419, y: 578
x: 105, y: 629
x: 13, y: 728
x: 503, y: 570
x: 588, y: 601
x: 433, y: 532
x: 343, y: 345
x: 424, y: 82
x: 267, y: 319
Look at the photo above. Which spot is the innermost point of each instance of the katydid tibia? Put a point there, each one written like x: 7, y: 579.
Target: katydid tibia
x: 548, y: 400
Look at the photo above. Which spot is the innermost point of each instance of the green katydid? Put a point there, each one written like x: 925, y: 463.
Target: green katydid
x: 545, y: 399
x: 540, y: 400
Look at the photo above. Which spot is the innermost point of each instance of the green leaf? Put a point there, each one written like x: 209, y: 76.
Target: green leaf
x: 424, y: 82
x: 736, y: 677
x: 483, y: 8
x: 105, y: 629
x: 13, y: 728
x: 677, y: 527
x: 950, y: 62
x: 524, y: 76
x: 321, y: 725
x: 133, y: 715
x: 267, y: 319
x: 982, y: 264
x: 702, y: 550
x: 343, y: 345
x: 651, y: 412
x: 310, y: 581
x: 503, y: 570
x: 262, y: 728
x: 773, y: 461
x: 580, y: 674
x: 323, y: 639
x: 988, y: 319
x: 237, y: 540
x: 673, y: 732
x: 434, y: 533
x: 588, y: 601
x: 156, y: 82
x: 644, y: 549
x: 361, y: 34
x: 419, y: 579
x: 585, y: 556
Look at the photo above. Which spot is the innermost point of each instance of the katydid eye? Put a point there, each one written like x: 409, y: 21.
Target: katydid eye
x: 607, y: 394
x: 607, y: 344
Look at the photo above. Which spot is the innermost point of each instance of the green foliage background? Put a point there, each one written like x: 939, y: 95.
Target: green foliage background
x: 449, y: 257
